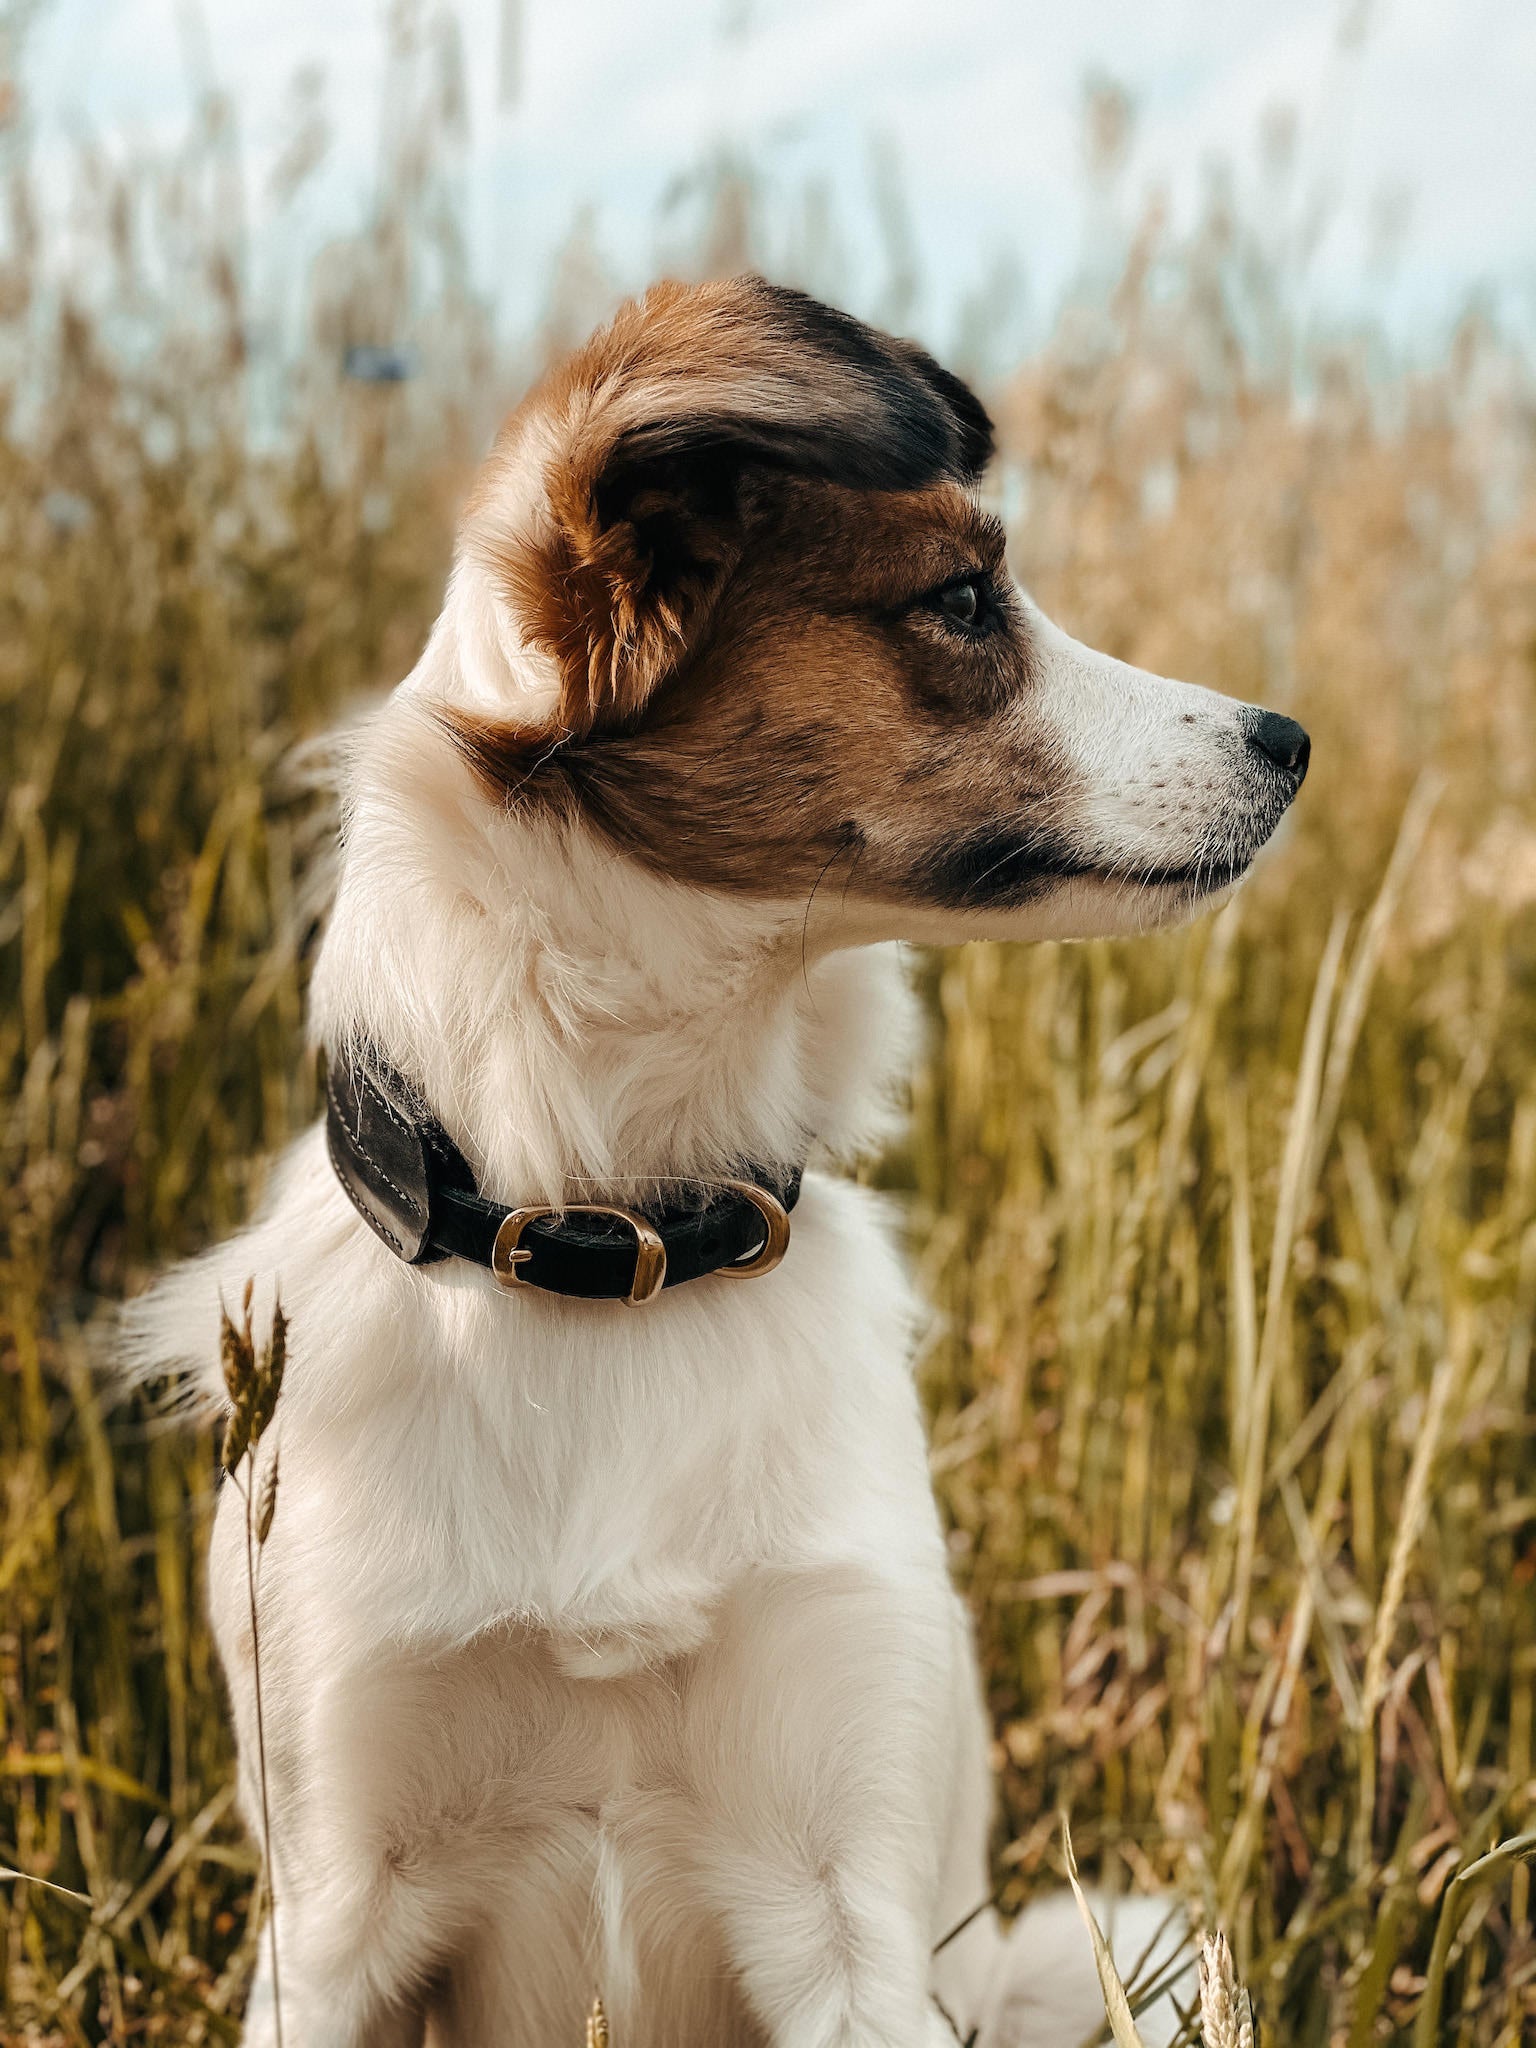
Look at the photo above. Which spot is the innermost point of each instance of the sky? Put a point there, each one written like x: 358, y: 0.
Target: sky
x: 1415, y: 126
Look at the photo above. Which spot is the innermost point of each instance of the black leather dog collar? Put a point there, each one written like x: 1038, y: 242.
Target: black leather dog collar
x: 415, y: 1190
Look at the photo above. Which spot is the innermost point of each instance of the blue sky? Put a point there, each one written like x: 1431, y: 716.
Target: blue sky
x: 1418, y: 111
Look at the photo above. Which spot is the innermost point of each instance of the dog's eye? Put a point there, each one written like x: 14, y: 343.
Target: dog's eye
x: 963, y: 603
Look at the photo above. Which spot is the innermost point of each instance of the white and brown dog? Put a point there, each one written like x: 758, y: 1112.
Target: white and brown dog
x: 609, y: 1645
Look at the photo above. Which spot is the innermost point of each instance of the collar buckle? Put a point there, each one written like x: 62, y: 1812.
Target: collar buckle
x: 509, y: 1252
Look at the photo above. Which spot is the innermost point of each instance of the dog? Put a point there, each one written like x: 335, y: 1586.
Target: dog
x: 606, y: 1637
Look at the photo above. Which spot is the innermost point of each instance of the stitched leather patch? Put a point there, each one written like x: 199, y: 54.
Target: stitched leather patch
x: 381, y: 1159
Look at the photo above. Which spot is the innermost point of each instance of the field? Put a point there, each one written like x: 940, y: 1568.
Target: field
x: 1230, y: 1234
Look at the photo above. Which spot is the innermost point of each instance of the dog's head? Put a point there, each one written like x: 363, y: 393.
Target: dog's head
x: 726, y: 595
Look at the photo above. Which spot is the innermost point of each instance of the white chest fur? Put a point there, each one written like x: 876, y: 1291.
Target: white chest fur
x: 601, y: 1472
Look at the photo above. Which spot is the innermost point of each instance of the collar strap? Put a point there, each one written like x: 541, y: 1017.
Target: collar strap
x: 416, y: 1191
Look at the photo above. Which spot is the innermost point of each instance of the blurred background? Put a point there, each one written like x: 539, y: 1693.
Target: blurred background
x: 1231, y: 1233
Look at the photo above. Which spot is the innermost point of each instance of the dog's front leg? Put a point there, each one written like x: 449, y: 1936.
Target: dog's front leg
x: 359, y: 1922
x: 358, y: 1926
x: 819, y: 1723
x: 377, y: 1862
x: 335, y: 2010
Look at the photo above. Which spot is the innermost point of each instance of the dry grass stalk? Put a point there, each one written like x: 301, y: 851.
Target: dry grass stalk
x: 1406, y: 1541
x: 1409, y: 1528
x: 1350, y: 1019
x: 1288, y: 1215
x: 1117, y: 2005
x: 254, y: 1384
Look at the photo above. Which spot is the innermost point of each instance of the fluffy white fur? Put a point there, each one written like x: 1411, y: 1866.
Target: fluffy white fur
x: 606, y: 1646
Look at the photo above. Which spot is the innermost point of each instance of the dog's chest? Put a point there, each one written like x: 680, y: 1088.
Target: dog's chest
x: 608, y: 1474
x: 609, y: 1496
x: 619, y: 1500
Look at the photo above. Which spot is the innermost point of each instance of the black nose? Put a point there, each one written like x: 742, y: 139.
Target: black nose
x: 1284, y: 741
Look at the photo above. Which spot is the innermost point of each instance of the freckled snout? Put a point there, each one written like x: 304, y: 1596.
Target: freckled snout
x: 1281, y: 741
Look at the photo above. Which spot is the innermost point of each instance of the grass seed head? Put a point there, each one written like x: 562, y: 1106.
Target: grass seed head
x: 1226, y: 2011
x: 253, y: 1386
x: 238, y: 1357
x: 237, y: 1438
x: 269, y: 1375
x: 266, y: 1499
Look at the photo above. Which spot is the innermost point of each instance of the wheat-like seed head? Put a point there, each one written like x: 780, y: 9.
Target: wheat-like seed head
x: 253, y: 1386
x: 237, y: 1354
x: 1226, y: 2011
x: 597, y: 2026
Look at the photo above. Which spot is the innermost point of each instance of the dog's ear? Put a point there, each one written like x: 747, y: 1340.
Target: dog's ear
x: 609, y: 517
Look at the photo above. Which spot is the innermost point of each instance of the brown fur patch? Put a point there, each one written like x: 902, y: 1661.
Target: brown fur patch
x: 610, y: 515
x: 830, y: 723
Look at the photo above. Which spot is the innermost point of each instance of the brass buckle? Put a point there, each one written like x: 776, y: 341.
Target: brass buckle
x: 508, y: 1252
x: 775, y: 1244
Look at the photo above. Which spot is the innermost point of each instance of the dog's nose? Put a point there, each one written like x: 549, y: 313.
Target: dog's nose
x: 1283, y: 741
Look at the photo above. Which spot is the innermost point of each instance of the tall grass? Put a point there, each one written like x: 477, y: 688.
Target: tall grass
x: 1231, y: 1234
